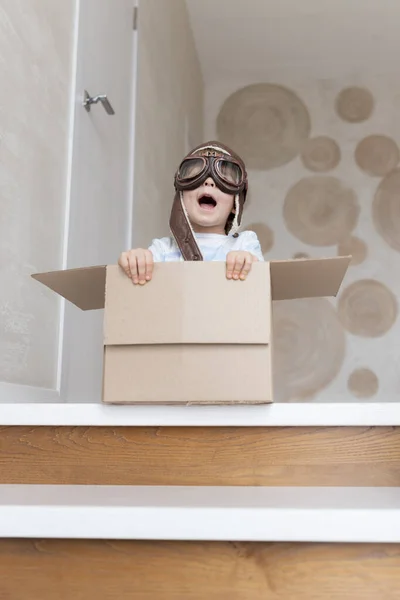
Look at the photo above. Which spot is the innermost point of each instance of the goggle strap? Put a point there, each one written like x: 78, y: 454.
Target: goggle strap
x: 213, y: 148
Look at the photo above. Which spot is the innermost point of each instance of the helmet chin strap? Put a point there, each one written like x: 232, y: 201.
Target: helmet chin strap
x: 185, y: 212
x: 235, y: 224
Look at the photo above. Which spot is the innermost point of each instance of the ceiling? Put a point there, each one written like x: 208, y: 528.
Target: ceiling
x: 250, y: 38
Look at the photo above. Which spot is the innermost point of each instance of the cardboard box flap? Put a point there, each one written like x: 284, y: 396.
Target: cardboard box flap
x: 307, y: 278
x: 84, y: 287
x: 188, y: 303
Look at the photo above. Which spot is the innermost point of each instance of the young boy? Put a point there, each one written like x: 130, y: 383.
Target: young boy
x: 211, y: 187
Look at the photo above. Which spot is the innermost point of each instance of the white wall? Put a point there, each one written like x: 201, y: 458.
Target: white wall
x: 35, y: 74
x: 169, y: 111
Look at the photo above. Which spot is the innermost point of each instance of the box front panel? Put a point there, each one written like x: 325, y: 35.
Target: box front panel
x: 188, y: 303
x: 187, y: 374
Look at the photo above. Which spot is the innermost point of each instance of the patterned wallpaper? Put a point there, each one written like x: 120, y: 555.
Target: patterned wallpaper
x: 323, y: 163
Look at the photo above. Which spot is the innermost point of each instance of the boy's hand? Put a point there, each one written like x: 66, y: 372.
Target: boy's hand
x: 238, y: 264
x: 138, y: 265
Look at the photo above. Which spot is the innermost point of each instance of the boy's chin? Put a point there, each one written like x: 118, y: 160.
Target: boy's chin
x: 206, y: 222
x: 204, y: 226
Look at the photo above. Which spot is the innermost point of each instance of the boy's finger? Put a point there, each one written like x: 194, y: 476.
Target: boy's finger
x: 141, y: 264
x: 124, y: 263
x: 239, y: 262
x: 246, y: 267
x: 149, y: 265
x: 230, y: 265
x: 133, y: 271
x: 133, y: 268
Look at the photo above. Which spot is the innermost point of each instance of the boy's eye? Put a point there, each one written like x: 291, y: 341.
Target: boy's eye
x: 191, y: 168
x: 229, y: 171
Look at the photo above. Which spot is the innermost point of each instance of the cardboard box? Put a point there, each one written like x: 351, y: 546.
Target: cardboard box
x: 190, y: 336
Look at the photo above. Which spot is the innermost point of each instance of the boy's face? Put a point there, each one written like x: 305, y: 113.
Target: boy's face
x: 208, y: 207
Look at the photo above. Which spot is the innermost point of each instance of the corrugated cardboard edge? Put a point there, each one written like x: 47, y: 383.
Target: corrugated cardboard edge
x: 271, y: 345
x: 104, y: 341
x: 103, y: 376
x: 200, y: 403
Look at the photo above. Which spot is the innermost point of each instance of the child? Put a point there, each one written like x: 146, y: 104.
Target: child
x: 211, y: 187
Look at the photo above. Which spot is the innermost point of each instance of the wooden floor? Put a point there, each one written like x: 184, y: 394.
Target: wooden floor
x: 352, y: 456
x: 82, y: 570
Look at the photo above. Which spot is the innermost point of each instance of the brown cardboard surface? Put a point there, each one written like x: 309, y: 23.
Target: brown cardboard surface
x: 190, y: 336
x: 188, y: 303
x: 307, y: 278
x: 187, y: 374
x: 84, y: 287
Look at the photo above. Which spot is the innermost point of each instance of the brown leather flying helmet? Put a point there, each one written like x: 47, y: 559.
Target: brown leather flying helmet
x: 211, y: 159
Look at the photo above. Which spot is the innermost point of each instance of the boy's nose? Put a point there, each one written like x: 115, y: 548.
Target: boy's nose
x: 209, y: 181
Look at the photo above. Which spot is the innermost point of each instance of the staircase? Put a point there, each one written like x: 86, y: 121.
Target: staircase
x: 190, y: 513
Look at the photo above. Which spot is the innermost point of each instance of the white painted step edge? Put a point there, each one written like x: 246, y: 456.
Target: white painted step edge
x: 286, y: 514
x: 275, y: 415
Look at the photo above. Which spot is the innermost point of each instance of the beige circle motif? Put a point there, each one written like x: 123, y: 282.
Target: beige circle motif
x: 367, y: 308
x: 266, y: 124
x: 386, y: 209
x: 363, y: 383
x: 265, y: 235
x: 354, y: 104
x: 320, y: 154
x: 377, y: 155
x: 320, y: 210
x: 354, y: 247
x: 309, y: 347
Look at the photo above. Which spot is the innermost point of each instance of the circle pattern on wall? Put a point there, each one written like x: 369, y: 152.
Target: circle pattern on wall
x: 363, y: 383
x: 354, y: 104
x: 265, y: 235
x: 354, y: 247
x: 367, y: 308
x: 377, y: 155
x: 320, y: 210
x: 320, y: 154
x: 386, y: 209
x: 309, y: 347
x: 266, y: 124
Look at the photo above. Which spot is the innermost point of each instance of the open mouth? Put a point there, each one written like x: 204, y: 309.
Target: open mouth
x: 207, y: 203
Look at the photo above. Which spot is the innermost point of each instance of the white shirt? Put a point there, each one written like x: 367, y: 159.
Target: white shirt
x: 213, y: 246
